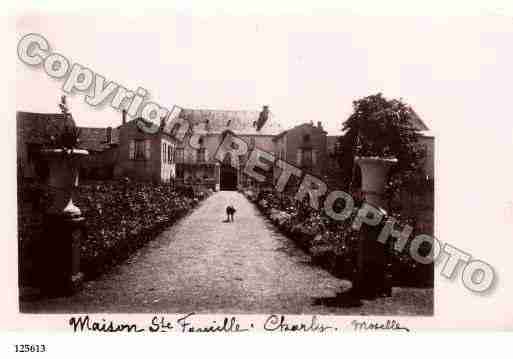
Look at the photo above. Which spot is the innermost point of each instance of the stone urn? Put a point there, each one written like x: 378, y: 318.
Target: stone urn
x: 63, y: 224
x: 63, y: 166
x: 372, y: 280
x: 374, y: 176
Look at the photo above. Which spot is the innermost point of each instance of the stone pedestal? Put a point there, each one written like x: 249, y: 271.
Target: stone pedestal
x: 63, y: 226
x: 372, y: 278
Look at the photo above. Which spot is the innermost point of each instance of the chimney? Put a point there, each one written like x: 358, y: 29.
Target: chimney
x: 319, y: 125
x: 123, y: 116
x: 262, y: 119
x: 109, y: 135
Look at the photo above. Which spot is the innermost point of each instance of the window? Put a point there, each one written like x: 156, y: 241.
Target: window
x: 139, y: 150
x: 202, y: 155
x: 306, y: 157
x: 179, y: 155
x: 170, y: 158
x: 179, y: 172
x: 168, y: 152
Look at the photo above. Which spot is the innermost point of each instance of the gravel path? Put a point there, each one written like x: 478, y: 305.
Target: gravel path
x: 203, y: 264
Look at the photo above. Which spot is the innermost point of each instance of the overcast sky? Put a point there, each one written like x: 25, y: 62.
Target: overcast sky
x: 452, y: 70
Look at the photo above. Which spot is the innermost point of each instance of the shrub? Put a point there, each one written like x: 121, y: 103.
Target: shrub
x: 334, y: 244
x: 121, y: 216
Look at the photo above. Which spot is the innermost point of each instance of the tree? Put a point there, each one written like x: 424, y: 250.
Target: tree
x: 383, y: 128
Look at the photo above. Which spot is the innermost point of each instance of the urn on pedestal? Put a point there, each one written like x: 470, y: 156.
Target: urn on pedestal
x: 372, y: 280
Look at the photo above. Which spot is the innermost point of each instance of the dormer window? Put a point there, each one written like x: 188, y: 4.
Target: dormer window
x: 306, y: 138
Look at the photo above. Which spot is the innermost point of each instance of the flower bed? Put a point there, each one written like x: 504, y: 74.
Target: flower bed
x: 333, y: 244
x: 120, y: 218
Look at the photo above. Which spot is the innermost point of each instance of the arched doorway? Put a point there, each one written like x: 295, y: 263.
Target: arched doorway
x: 228, y: 178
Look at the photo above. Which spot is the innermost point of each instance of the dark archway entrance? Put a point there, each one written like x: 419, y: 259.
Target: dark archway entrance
x: 228, y: 178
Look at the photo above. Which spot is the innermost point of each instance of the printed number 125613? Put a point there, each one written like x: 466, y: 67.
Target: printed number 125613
x: 30, y: 348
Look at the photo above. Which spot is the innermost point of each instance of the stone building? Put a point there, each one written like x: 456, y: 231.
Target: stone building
x: 304, y: 146
x: 194, y: 157
x: 143, y: 156
x: 128, y: 151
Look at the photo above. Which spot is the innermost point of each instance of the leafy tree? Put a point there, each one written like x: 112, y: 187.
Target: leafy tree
x: 381, y: 127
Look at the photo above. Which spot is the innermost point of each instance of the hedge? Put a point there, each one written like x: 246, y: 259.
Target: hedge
x: 333, y: 244
x: 121, y: 216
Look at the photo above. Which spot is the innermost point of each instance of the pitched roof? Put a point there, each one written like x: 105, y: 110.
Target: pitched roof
x: 38, y: 128
x: 283, y: 133
x: 239, y: 122
x: 95, y: 138
x: 417, y: 122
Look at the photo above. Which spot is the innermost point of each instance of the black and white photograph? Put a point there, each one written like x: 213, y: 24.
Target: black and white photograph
x: 238, y: 209
x: 276, y: 172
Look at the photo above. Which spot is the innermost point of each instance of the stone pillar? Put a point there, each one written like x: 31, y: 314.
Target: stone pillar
x: 371, y: 280
x: 217, y: 177
x: 63, y: 225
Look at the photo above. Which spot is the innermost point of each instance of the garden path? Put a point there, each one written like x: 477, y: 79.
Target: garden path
x: 203, y: 264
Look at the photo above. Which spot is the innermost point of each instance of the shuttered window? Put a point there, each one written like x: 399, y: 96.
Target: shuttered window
x: 147, y: 149
x: 307, y: 158
x: 139, y: 150
x: 131, y: 150
x: 169, y: 154
x: 201, y: 155
x: 299, y: 159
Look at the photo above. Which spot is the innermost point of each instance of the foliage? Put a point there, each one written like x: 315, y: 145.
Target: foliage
x: 334, y: 244
x: 68, y: 136
x: 383, y: 128
x: 121, y: 216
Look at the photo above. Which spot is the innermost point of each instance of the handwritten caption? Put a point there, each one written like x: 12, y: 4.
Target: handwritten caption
x: 190, y: 323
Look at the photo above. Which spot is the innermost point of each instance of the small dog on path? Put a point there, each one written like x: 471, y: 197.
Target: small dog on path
x: 230, y: 211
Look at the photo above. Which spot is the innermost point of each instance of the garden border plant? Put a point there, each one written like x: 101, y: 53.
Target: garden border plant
x: 121, y: 217
x: 333, y: 244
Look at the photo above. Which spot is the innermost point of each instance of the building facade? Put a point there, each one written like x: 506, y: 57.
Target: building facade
x: 128, y: 151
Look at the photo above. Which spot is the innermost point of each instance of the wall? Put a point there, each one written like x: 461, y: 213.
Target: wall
x: 99, y: 165
x: 294, y: 141
x: 429, y: 161
x: 139, y: 169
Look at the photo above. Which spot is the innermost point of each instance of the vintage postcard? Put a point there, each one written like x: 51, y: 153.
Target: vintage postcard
x: 180, y: 171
